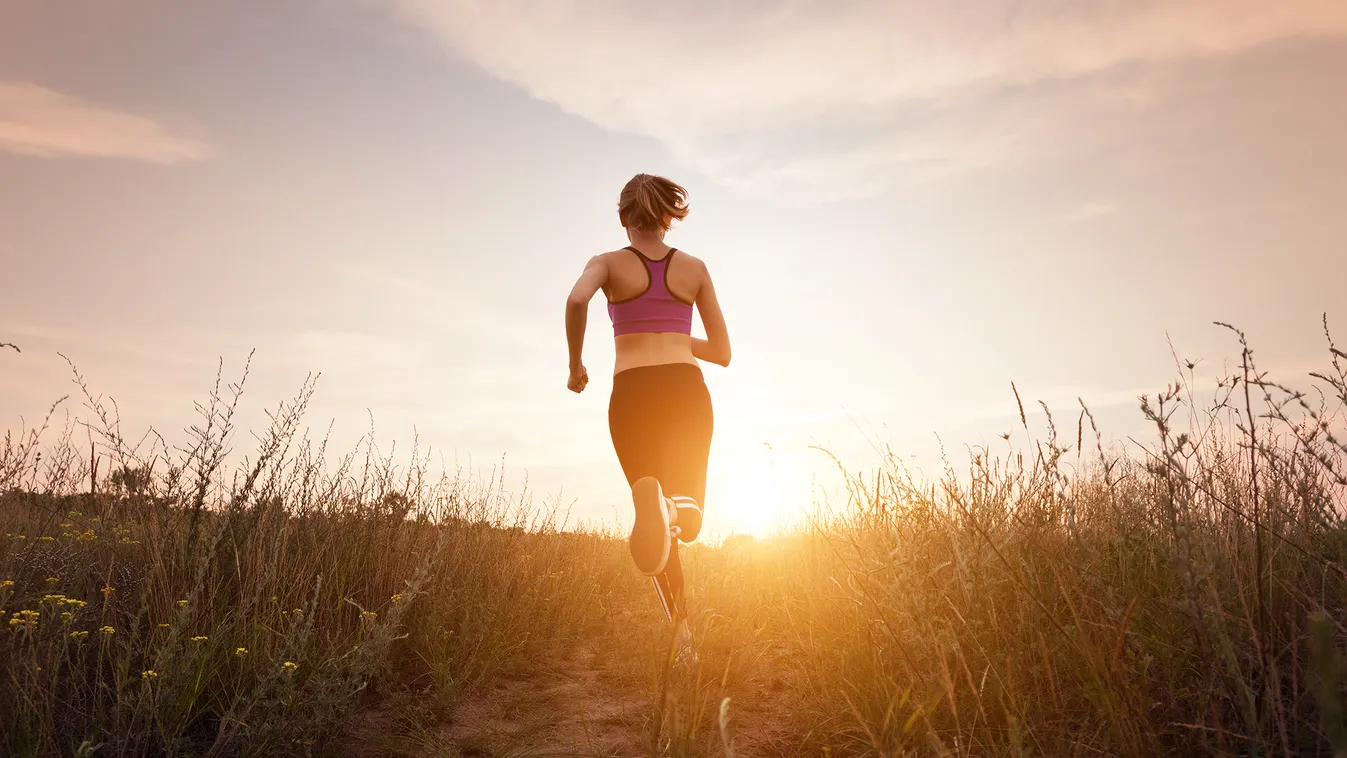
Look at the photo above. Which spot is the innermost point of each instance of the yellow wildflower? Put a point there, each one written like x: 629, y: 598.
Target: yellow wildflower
x: 239, y: 652
x: 199, y: 639
x: 6, y: 584
x: 108, y: 592
x: 163, y: 626
x: 297, y: 612
x: 108, y: 631
x: 58, y: 599
x: 368, y: 616
x: 289, y: 667
x: 26, y: 619
x: 78, y: 635
x: 52, y: 580
x: 75, y: 603
x: 396, y: 598
x: 66, y: 617
x: 45, y: 538
x: 182, y: 603
x: 148, y: 674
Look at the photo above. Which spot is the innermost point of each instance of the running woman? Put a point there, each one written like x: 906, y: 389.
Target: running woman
x: 659, y: 414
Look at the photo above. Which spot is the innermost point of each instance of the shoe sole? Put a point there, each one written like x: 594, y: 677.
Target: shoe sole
x: 650, y: 541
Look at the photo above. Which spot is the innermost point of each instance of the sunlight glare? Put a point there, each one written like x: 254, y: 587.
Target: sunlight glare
x: 754, y: 493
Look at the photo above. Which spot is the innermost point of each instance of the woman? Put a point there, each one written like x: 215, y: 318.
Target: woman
x: 659, y: 414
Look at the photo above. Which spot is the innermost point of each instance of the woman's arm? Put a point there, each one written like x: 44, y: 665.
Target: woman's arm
x: 716, y: 347
x: 577, y: 309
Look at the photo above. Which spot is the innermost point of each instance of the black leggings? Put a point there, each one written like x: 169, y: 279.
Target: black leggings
x: 660, y: 419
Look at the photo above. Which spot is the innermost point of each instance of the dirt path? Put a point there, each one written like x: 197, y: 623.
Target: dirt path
x: 603, y: 698
x: 562, y: 708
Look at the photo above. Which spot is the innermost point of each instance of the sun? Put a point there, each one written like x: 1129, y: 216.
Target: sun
x: 752, y: 493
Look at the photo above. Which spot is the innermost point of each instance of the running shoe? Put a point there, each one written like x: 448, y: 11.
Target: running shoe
x: 684, y: 653
x: 651, y: 537
x: 686, y: 656
x: 687, y: 517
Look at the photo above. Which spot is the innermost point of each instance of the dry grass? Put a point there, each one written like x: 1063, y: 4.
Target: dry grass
x: 1184, y: 595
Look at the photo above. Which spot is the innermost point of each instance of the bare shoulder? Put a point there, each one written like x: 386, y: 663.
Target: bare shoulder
x: 606, y: 257
x: 601, y: 260
x: 688, y: 258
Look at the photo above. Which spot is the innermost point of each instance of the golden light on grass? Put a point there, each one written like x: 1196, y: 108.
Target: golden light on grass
x: 1069, y: 601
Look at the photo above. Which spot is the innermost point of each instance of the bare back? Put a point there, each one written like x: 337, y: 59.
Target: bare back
x: 624, y: 277
x: 627, y: 278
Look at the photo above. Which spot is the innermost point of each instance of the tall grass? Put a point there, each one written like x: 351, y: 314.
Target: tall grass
x: 166, y: 606
x: 1182, y: 595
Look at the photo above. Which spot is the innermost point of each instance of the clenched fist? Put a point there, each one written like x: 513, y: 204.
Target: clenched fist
x: 579, y: 378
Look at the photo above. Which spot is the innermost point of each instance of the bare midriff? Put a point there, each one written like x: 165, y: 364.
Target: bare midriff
x: 652, y: 349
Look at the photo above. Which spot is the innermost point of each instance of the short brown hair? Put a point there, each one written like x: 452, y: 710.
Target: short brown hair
x: 651, y: 203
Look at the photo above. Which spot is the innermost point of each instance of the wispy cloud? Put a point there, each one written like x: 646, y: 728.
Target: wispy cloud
x: 803, y: 92
x: 1088, y: 211
x: 446, y: 308
x: 38, y: 121
x: 1061, y: 399
x: 368, y: 274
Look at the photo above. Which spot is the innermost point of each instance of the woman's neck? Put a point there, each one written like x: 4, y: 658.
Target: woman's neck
x: 646, y: 241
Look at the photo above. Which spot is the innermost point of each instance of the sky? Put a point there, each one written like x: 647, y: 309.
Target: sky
x: 906, y: 206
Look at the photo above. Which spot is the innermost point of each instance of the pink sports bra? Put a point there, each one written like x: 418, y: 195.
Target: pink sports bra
x: 656, y: 309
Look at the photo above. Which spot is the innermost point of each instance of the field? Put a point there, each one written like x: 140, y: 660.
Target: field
x: 1180, y: 595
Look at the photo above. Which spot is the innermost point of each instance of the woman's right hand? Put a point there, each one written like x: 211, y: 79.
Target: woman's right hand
x: 577, y: 306
x: 579, y: 378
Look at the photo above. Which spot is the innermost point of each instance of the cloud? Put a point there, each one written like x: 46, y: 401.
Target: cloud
x: 370, y: 275
x: 1088, y: 211
x: 37, y: 121
x: 1063, y: 401
x: 373, y: 352
x: 439, y: 307
x: 808, y: 92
